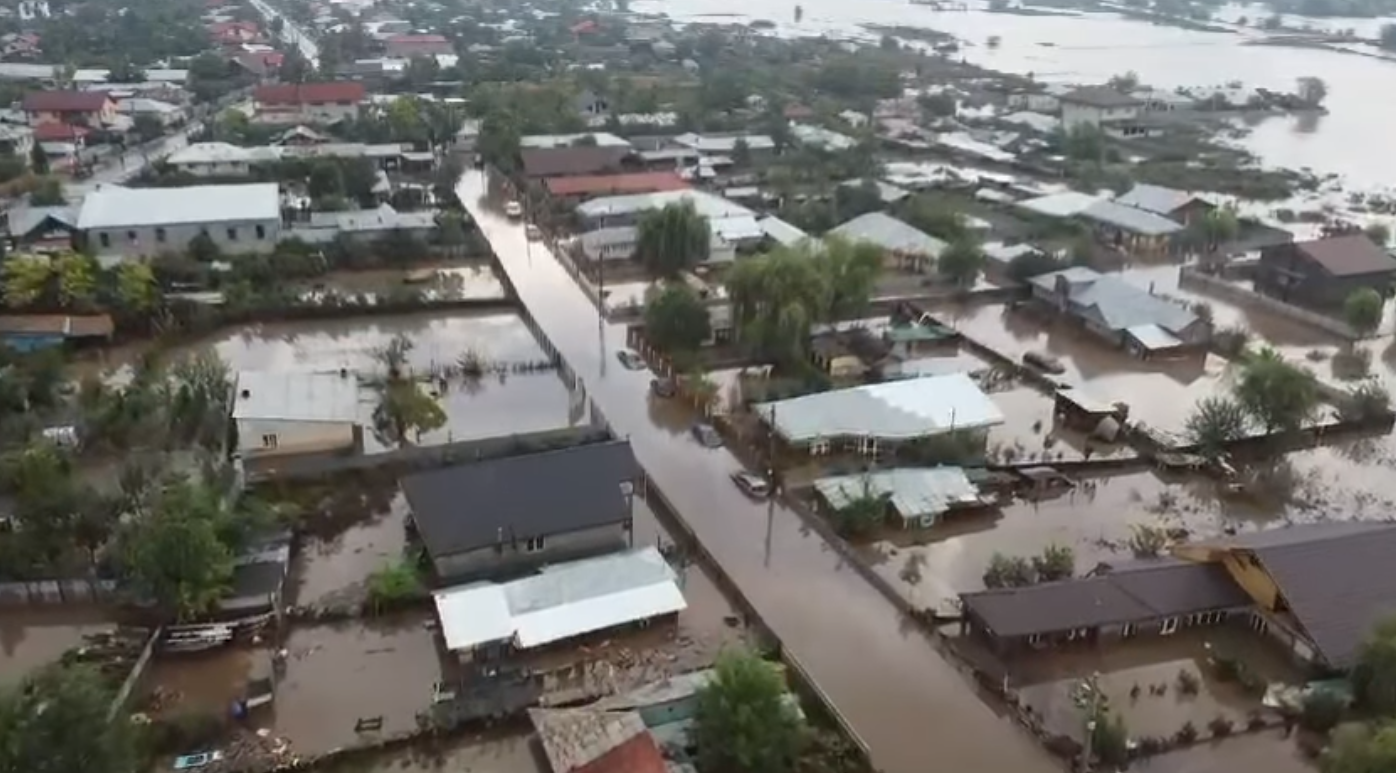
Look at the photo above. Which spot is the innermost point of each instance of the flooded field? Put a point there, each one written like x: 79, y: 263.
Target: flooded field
x: 332, y: 571
x: 502, y: 403
x: 1029, y: 432
x: 1155, y: 666
x: 34, y: 636
x: 1172, y: 386
x: 448, y: 282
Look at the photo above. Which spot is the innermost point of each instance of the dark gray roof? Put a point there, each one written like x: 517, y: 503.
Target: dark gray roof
x: 471, y: 506
x: 1336, y: 578
x: 1141, y: 591
x: 571, y: 161
x: 1348, y: 255
x: 1099, y: 96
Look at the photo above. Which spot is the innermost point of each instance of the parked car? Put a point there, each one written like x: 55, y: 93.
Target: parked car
x: 663, y: 387
x: 630, y: 360
x: 192, y: 761
x: 513, y: 209
x: 706, y: 435
x: 1045, y: 362
x: 751, y: 484
x: 532, y: 232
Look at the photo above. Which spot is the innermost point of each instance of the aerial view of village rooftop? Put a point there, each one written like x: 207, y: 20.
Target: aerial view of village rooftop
x: 630, y: 386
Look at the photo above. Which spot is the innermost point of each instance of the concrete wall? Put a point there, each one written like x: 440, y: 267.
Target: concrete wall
x: 231, y: 238
x: 513, y: 559
x: 292, y: 437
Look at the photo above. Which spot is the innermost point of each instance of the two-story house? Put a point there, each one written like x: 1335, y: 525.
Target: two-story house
x: 1324, y: 272
x: 408, y: 46
x: 79, y: 108
x: 505, y: 517
x: 1097, y: 106
x: 318, y: 103
x: 117, y: 222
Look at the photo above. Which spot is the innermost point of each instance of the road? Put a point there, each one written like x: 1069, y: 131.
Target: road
x: 912, y: 708
x: 291, y: 32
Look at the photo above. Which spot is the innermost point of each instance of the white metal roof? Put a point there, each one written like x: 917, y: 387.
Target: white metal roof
x: 1064, y: 204
x: 890, y: 234
x: 1153, y: 337
x: 781, y: 231
x: 603, y: 140
x: 561, y: 602
x: 296, y: 396
x: 112, y: 206
x: 915, y: 492
x: 895, y: 410
x: 707, y: 204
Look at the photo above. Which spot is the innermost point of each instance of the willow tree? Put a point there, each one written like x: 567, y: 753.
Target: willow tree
x: 672, y: 239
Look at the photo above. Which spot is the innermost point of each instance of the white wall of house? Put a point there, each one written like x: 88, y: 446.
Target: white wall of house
x: 261, y: 438
x: 1037, y: 103
x: 215, y: 168
x: 327, y: 112
x: 490, y: 562
x: 1074, y: 114
x: 232, y: 238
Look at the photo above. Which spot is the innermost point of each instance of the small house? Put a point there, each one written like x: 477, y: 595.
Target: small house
x: 1324, y: 272
x: 309, y: 103
x: 285, y: 413
x: 82, y: 108
x: 499, y: 517
x: 915, y: 497
x: 1121, y: 313
x: 118, y: 222
x: 1096, y: 106
x: 1180, y: 206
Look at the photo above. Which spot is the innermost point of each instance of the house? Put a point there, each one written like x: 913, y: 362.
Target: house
x: 233, y: 33
x: 42, y: 229
x: 1324, y: 272
x: 780, y: 232
x: 1159, y: 101
x: 573, y: 161
x: 486, y: 621
x: 597, y: 139
x: 17, y: 141
x: 314, y: 103
x: 167, y: 114
x: 757, y: 145
x: 1038, y: 99
x: 409, y: 46
x: 588, y: 740
x: 1096, y: 106
x: 727, y: 235
x: 905, y: 248
x: 627, y: 210
x: 1317, y: 588
x: 117, y: 222
x: 574, y: 190
x: 916, y: 496
x: 592, y: 105
x: 874, y: 418
x: 85, y: 108
x: 31, y: 332
x: 281, y: 413
x: 365, y: 226
x: 62, y: 133
x: 1180, y: 206
x: 1123, y: 227
x: 1149, y: 597
x: 1121, y: 313
x: 511, y: 515
x: 259, y: 64
x: 218, y: 159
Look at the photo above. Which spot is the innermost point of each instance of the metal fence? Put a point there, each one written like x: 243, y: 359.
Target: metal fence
x: 66, y: 591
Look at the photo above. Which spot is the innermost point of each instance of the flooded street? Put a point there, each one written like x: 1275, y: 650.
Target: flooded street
x: 899, y: 695
x: 33, y: 636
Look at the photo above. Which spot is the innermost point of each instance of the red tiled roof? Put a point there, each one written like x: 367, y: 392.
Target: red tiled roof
x: 616, y: 184
x: 586, y: 25
x: 417, y: 39
x: 637, y: 755
x: 65, y: 101
x: 59, y: 132
x: 310, y: 93
x: 93, y: 325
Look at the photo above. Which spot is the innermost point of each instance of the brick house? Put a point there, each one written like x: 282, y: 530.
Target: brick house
x: 81, y: 108
x: 309, y: 102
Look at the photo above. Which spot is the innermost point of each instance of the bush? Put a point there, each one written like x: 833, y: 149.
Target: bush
x: 1186, y: 734
x: 393, y: 586
x: 1221, y: 727
x: 1321, y: 710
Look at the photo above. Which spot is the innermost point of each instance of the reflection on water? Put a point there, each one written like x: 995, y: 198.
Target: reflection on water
x: 34, y: 636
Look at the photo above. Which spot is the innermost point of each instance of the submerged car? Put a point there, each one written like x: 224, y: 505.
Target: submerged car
x: 532, y: 232
x: 663, y: 387
x: 751, y: 484
x: 513, y: 209
x: 706, y: 435
x: 630, y: 360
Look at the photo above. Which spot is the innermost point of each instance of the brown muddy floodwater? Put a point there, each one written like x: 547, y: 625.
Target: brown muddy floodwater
x: 1267, y: 752
x: 499, y: 752
x: 901, y: 697
x: 334, y: 571
x: 446, y: 282
x: 34, y: 636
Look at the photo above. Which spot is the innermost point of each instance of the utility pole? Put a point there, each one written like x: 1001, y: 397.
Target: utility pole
x: 771, y: 480
x: 1086, y: 695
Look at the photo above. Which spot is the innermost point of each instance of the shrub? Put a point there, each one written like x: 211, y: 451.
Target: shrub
x: 1188, y: 683
x: 1321, y: 710
x: 1186, y: 734
x: 394, y: 585
x: 1220, y: 727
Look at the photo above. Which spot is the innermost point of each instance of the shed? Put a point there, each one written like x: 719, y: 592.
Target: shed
x: 918, y: 496
x: 296, y: 412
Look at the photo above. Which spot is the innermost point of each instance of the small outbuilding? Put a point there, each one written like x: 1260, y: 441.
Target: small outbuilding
x: 289, y: 412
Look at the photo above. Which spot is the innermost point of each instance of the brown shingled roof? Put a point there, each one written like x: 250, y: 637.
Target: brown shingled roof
x: 65, y: 101
x: 1348, y: 255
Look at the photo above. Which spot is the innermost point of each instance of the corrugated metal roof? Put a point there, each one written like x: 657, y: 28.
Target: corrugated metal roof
x: 1152, y: 337
x: 781, y: 231
x: 296, y: 396
x: 562, y: 601
x: 1130, y: 219
x: 914, y: 492
x: 1063, y: 204
x: 890, y: 234
x: 1118, y: 304
x: 1154, y: 198
x: 896, y: 410
x: 602, y: 139
x: 707, y: 204
x: 112, y: 206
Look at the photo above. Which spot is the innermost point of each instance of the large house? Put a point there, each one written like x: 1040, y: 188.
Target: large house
x: 285, y: 413
x: 494, y: 518
x: 1180, y: 206
x: 1324, y: 272
x: 408, y: 46
x: 298, y: 103
x: 83, y: 108
x: 1096, y: 107
x: 1121, y: 313
x: 905, y: 247
x: 118, y: 222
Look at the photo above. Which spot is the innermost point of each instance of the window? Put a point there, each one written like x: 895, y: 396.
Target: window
x: 160, y: 235
x: 1034, y: 639
x: 1128, y: 630
x: 269, y: 441
x: 819, y: 447
x: 232, y: 234
x: 104, y: 238
x: 1169, y: 627
x: 533, y: 544
x: 261, y: 232
x: 131, y: 236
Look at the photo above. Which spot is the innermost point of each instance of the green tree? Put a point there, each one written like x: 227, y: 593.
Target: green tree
x: 863, y: 511
x: 1031, y: 264
x: 1374, y: 677
x: 1218, y: 227
x: 935, y: 219
x: 1055, y: 562
x: 746, y: 721
x: 1362, y: 310
x: 741, y: 154
x: 850, y: 201
x: 26, y: 280
x: 961, y: 262
x: 203, y: 249
x: 499, y: 139
x: 775, y: 299
x: 295, y: 68
x: 676, y: 319
x: 174, y: 554
x: 1009, y: 572
x: 1379, y: 233
x: 405, y: 409
x: 849, y: 271
x: 148, y: 127
x: 49, y: 193
x: 393, y: 585
x: 1275, y: 393
x: 56, y: 720
x: 1215, y: 422
x: 38, y: 159
x: 77, y: 279
x: 136, y: 288
x: 326, y: 179
x: 1361, y: 749
x: 451, y: 232
x: 672, y: 239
